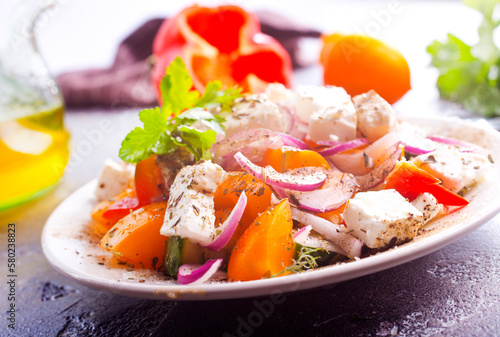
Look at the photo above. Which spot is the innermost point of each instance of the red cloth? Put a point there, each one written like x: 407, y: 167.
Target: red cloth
x: 127, y: 83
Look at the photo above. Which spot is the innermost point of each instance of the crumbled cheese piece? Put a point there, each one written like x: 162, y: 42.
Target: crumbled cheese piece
x: 457, y: 170
x: 278, y: 93
x: 376, y: 117
x: 253, y: 112
x: 333, y: 123
x: 190, y: 210
x: 312, y: 98
x: 113, y: 179
x: 382, y: 218
x: 428, y: 205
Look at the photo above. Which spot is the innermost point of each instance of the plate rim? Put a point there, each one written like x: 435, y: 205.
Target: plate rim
x: 330, y: 275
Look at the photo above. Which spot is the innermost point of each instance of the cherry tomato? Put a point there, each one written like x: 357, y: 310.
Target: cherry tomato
x: 148, y: 181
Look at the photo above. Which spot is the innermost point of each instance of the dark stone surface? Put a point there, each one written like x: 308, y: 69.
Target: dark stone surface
x: 452, y: 292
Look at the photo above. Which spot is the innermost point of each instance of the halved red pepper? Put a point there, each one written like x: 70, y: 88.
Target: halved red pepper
x: 221, y: 43
x: 411, y: 181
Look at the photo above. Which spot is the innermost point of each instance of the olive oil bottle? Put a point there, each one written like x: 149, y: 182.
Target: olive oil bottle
x: 33, y: 155
x: 33, y: 141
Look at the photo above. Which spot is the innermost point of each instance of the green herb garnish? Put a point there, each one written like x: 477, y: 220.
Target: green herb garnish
x: 306, y: 259
x: 171, y: 126
x: 470, y: 74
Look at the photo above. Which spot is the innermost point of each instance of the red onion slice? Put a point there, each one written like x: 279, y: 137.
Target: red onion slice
x: 318, y: 242
x: 353, y: 144
x: 416, y: 150
x: 292, y: 141
x: 289, y: 116
x: 295, y: 182
x: 300, y: 128
x: 252, y: 143
x: 465, y: 147
x: 338, y: 188
x: 376, y: 176
x: 302, y: 233
x: 362, y: 162
x: 228, y: 227
x: 350, y: 245
x: 195, y: 274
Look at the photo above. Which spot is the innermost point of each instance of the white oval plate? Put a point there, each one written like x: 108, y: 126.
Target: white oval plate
x: 70, y: 238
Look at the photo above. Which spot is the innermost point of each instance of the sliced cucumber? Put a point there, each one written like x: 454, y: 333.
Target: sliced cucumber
x: 191, y: 252
x: 172, y: 260
x: 179, y: 251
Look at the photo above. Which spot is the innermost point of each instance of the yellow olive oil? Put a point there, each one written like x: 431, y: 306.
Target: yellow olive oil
x: 33, y: 155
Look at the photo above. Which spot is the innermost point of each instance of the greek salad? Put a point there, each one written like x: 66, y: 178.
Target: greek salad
x: 265, y: 185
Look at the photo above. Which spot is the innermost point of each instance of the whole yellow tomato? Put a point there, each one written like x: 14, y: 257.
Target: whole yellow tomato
x: 361, y: 63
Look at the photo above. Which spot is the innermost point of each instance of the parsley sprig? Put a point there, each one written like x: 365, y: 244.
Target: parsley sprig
x: 469, y: 74
x: 170, y: 126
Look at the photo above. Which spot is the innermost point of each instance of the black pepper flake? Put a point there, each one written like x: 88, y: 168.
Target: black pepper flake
x: 367, y: 160
x: 431, y: 159
x: 294, y: 200
x: 112, y: 232
x: 261, y: 191
x: 178, y: 199
x: 196, y: 210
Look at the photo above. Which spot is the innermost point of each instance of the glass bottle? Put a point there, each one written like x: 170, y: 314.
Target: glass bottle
x: 33, y: 140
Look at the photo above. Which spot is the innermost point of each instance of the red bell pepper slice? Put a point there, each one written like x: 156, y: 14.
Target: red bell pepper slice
x: 411, y: 181
x: 221, y: 43
x: 148, y: 188
x: 121, y: 208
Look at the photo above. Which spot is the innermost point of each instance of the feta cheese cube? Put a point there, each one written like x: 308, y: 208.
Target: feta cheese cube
x: 376, y: 117
x: 382, y: 218
x: 190, y: 210
x: 333, y: 123
x: 312, y: 98
x: 457, y: 170
x: 278, y: 93
x: 253, y: 112
x: 428, y: 205
x: 113, y: 179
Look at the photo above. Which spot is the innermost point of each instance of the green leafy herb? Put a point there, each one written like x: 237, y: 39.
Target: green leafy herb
x: 166, y: 128
x: 470, y: 74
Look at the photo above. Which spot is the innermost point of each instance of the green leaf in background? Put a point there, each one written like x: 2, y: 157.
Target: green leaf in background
x: 470, y: 74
